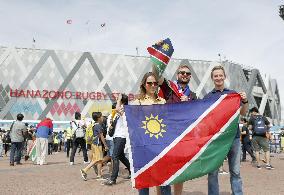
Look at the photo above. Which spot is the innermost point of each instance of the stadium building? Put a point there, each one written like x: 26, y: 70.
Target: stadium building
x: 48, y: 83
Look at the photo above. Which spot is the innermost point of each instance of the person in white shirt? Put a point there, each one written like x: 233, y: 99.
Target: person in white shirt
x: 119, y: 141
x: 79, y: 128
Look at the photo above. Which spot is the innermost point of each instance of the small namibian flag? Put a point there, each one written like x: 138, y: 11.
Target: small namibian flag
x: 161, y: 54
x: 32, y: 152
x: 173, y: 143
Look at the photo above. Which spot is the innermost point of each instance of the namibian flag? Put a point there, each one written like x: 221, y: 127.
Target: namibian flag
x: 173, y: 143
x: 161, y: 54
x: 32, y: 152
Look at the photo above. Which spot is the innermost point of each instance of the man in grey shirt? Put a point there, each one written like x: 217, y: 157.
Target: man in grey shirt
x: 18, y: 129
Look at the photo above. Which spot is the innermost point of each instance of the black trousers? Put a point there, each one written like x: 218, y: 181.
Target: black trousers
x: 55, y: 147
x: 118, y: 155
x: 76, y: 143
x: 68, y: 146
x: 60, y: 144
x: 50, y: 148
x: 247, y: 148
x: 6, y: 147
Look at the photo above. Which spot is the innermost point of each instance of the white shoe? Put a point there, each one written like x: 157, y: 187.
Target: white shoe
x: 71, y: 163
x: 223, y: 173
x: 86, y: 162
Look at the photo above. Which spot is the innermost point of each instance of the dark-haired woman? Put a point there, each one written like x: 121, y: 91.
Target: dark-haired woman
x: 148, y: 96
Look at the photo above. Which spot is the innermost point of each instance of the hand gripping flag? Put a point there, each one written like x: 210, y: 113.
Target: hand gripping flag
x: 173, y: 143
x: 161, y: 54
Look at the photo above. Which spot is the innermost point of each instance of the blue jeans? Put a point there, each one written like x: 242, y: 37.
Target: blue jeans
x: 234, y: 156
x: 16, y: 152
x: 110, y: 145
x: 165, y: 190
x: 118, y: 155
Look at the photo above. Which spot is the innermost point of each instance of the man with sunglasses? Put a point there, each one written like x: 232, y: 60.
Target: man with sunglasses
x: 177, y: 91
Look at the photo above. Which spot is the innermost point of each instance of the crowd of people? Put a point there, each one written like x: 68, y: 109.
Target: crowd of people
x: 104, y: 139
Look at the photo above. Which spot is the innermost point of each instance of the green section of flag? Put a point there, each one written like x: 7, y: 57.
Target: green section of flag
x: 212, y: 157
x: 159, y: 66
x: 33, y: 153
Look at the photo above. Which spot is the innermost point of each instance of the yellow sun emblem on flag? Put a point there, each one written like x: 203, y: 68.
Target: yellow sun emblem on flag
x: 154, y: 126
x: 166, y: 47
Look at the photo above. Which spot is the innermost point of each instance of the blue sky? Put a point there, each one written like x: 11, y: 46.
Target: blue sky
x: 246, y: 32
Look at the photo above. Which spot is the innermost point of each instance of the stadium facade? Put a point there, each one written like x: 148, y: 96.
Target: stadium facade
x: 49, y: 83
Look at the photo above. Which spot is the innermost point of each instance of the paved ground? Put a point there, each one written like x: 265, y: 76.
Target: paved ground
x: 58, y: 177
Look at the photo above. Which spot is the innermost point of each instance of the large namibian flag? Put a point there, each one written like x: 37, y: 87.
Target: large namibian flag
x: 173, y: 143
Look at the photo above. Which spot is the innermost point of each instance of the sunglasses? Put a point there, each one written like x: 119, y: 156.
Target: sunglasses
x: 184, y: 73
x: 152, y: 83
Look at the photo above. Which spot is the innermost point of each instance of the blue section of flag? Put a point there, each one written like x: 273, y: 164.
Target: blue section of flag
x: 166, y: 47
x: 177, y: 117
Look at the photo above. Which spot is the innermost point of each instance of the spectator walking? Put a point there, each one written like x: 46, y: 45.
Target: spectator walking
x: 50, y: 141
x: 246, y: 142
x: 259, y: 125
x: 6, y: 141
x: 56, y: 142
x: 119, y: 140
x: 97, y: 149
x: 79, y: 129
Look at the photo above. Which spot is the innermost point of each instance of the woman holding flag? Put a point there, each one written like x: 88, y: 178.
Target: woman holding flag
x: 148, y: 96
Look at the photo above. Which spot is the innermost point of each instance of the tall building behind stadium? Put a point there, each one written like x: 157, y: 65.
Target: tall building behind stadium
x: 48, y: 83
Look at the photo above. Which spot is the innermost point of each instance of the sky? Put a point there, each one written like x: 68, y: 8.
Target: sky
x: 245, y: 32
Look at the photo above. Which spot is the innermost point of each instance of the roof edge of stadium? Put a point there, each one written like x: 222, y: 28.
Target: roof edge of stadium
x: 246, y: 67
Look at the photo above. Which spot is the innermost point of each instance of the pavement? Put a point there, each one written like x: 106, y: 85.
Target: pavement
x: 58, y: 177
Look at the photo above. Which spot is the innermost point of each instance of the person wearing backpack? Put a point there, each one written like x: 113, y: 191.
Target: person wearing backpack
x: 259, y: 125
x: 97, y: 149
x: 78, y: 126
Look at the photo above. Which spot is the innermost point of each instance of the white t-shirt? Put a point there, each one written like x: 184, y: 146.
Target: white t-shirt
x: 121, y: 127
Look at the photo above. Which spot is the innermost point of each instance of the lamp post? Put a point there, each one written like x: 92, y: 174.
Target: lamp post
x: 281, y: 11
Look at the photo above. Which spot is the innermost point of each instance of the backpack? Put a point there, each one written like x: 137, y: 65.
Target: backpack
x: 8, y: 135
x: 96, y: 137
x: 259, y: 126
x: 89, y: 132
x: 79, y: 132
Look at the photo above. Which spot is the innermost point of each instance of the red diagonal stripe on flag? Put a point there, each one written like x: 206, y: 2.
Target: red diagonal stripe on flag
x: 158, y: 55
x: 187, y: 147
